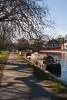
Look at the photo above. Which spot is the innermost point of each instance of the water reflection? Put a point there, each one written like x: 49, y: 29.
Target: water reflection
x: 63, y: 61
x: 66, y: 58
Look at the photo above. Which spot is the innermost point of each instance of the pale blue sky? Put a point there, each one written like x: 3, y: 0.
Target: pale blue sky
x: 58, y: 11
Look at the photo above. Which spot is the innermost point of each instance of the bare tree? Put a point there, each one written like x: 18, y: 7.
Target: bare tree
x: 60, y: 39
x: 22, y: 42
x: 25, y: 17
x: 36, y: 43
x: 5, y: 37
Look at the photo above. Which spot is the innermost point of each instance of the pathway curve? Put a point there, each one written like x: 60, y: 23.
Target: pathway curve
x: 20, y: 84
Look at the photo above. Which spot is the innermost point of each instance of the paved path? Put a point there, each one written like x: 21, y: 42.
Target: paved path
x: 19, y: 84
x: 55, y: 50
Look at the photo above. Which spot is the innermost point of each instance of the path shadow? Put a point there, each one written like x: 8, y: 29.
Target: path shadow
x: 26, y: 88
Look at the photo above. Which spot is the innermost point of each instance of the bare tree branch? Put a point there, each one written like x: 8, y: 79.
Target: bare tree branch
x: 25, y: 17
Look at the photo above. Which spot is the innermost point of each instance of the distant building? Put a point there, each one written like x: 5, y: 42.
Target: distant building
x: 22, y: 47
x: 52, y: 44
x: 65, y: 44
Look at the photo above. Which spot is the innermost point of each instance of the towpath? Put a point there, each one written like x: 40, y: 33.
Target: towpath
x: 20, y: 84
x: 55, y: 50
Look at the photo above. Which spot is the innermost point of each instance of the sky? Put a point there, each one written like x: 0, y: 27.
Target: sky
x: 58, y: 13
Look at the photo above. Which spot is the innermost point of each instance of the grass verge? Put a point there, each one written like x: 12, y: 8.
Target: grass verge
x: 3, y: 59
x: 51, y: 83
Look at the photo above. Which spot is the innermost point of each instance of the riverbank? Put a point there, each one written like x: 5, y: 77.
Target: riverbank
x: 50, y: 82
x: 57, y: 51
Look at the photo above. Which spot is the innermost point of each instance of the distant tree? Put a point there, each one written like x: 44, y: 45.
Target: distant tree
x: 36, y: 43
x: 59, y: 36
x: 22, y: 42
x: 60, y: 39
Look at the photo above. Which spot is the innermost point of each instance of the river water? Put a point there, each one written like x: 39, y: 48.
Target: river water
x: 63, y: 61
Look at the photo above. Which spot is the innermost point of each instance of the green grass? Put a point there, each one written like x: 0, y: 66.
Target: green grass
x: 3, y: 59
x: 51, y: 83
x: 4, y: 56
